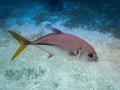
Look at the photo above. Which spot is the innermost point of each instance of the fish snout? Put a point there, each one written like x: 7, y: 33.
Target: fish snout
x: 96, y: 59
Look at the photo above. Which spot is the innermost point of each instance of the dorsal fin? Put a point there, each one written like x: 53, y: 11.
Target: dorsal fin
x: 55, y: 30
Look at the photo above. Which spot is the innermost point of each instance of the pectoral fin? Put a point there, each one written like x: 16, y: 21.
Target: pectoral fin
x: 74, y: 53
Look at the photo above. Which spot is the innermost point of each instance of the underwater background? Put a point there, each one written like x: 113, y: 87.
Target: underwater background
x: 97, y: 22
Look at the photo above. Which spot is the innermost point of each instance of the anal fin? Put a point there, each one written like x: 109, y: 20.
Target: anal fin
x: 50, y: 55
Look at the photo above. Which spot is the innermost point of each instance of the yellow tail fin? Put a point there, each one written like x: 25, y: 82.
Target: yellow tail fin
x: 23, y: 43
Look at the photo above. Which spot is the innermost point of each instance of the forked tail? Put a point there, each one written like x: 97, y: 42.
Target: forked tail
x: 23, y: 43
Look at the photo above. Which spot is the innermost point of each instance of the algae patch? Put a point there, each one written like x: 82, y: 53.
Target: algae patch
x: 24, y: 73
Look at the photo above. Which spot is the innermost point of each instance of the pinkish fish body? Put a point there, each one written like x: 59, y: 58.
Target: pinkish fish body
x: 72, y: 45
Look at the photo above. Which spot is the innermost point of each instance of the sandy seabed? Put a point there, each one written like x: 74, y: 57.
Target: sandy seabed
x: 33, y: 71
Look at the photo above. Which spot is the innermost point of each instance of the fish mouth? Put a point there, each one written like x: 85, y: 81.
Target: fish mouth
x: 96, y: 60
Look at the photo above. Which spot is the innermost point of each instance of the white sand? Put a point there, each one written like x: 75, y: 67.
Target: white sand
x: 31, y: 70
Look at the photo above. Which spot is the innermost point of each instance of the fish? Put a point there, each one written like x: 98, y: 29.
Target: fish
x: 58, y: 40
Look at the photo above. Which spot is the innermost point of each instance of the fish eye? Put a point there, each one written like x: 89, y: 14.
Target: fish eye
x: 90, y: 55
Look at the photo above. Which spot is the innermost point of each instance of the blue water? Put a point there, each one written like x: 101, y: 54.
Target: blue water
x: 96, y: 22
